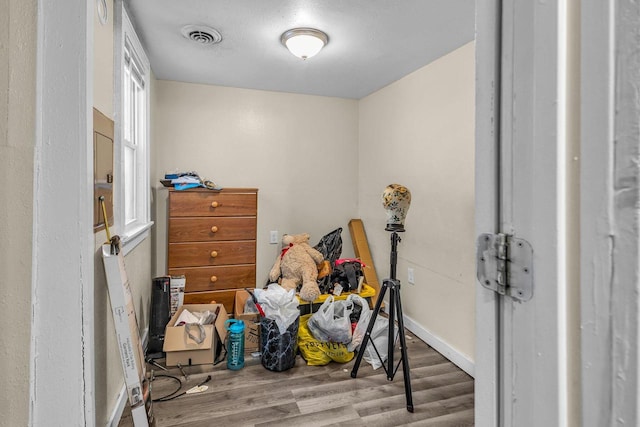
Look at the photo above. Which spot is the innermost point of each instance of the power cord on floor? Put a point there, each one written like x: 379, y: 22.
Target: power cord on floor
x: 173, y: 394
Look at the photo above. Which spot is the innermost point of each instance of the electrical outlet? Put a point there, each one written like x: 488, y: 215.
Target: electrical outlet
x: 410, y: 278
x: 273, y: 237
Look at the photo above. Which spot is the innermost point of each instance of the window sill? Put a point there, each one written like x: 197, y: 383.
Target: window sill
x: 134, y: 237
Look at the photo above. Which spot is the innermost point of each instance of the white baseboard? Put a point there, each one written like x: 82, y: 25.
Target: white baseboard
x: 457, y: 358
x: 121, y: 400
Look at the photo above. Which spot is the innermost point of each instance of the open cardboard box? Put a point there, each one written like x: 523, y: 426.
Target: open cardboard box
x: 181, y: 349
x: 251, y: 322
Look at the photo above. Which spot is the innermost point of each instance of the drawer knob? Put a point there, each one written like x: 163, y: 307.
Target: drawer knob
x: 214, y: 279
x: 215, y: 204
x: 214, y: 229
x: 214, y: 254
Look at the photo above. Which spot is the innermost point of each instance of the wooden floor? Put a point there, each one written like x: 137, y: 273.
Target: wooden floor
x: 320, y: 395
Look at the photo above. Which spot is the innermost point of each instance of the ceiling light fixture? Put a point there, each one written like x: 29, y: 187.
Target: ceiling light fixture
x: 304, y: 42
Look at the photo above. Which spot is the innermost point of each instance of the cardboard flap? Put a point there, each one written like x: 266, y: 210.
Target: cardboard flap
x: 220, y: 321
x: 241, y: 298
x: 238, y: 311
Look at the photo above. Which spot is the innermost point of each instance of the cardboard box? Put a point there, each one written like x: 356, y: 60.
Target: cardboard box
x: 251, y: 322
x: 181, y: 349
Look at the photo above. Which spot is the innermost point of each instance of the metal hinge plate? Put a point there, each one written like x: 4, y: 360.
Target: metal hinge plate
x: 504, y: 264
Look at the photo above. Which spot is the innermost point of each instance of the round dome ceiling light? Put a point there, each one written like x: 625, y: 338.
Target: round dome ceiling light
x: 304, y: 42
x: 201, y: 34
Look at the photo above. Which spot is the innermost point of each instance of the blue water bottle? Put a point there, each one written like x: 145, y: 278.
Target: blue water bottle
x: 235, y: 344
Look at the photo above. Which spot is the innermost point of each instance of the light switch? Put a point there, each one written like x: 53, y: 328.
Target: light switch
x: 410, y: 278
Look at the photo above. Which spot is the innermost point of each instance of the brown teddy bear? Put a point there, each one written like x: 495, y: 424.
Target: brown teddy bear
x: 298, y: 263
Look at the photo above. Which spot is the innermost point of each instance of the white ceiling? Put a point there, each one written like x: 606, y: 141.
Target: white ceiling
x: 372, y: 43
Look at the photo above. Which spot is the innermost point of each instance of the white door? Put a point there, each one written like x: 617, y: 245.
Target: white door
x: 520, y: 154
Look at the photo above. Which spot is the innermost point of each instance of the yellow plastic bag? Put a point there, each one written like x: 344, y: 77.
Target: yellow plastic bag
x: 318, y: 353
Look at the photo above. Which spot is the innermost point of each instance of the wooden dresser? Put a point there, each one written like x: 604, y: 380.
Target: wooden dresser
x: 212, y: 241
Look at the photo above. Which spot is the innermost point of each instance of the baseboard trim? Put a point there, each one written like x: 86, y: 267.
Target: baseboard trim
x: 121, y: 400
x: 457, y: 358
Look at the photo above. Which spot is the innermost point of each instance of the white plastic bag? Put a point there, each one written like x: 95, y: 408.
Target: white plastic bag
x: 278, y: 305
x: 379, y: 337
x: 331, y: 323
x: 197, y: 317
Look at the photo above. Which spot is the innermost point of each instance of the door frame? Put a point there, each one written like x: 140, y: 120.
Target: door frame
x: 487, y: 217
x: 62, y: 354
x: 607, y: 275
x: 610, y: 207
x: 521, y: 189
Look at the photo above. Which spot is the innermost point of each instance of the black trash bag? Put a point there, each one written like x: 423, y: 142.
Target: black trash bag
x: 330, y: 246
x: 355, y: 313
x: 347, y: 273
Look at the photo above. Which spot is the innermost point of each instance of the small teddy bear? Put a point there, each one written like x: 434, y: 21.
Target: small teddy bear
x: 298, y: 264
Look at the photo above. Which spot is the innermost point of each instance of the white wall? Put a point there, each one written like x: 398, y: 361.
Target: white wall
x: 103, y: 62
x: 419, y: 132
x: 17, y: 138
x: 301, y: 152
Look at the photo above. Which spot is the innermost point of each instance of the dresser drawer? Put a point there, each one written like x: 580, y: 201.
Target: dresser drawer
x: 226, y: 298
x: 202, y: 254
x: 217, y: 278
x: 212, y: 203
x: 210, y: 229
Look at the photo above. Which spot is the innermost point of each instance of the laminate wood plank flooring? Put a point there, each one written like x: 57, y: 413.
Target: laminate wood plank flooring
x: 318, y: 395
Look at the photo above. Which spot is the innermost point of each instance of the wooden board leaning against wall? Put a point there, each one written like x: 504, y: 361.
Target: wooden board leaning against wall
x: 361, y: 250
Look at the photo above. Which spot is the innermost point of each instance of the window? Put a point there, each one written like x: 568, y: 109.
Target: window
x: 132, y: 138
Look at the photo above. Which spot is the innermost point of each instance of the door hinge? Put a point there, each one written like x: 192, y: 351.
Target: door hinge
x: 504, y: 264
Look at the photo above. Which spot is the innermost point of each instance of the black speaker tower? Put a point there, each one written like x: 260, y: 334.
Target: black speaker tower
x: 160, y: 313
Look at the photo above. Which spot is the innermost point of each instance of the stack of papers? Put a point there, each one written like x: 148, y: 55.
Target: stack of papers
x: 186, y: 179
x: 183, y: 181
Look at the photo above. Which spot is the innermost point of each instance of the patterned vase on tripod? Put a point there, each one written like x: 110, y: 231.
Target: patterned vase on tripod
x: 396, y: 200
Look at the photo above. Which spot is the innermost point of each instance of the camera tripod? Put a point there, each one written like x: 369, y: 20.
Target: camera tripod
x: 395, y: 309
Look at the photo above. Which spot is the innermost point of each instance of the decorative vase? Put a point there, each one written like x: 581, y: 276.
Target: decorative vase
x: 396, y: 200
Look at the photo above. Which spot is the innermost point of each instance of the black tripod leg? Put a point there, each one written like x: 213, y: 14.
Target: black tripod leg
x: 403, y: 351
x: 393, y: 296
x: 367, y: 335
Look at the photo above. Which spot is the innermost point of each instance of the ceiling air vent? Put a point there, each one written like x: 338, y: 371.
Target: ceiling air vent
x: 202, y: 35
